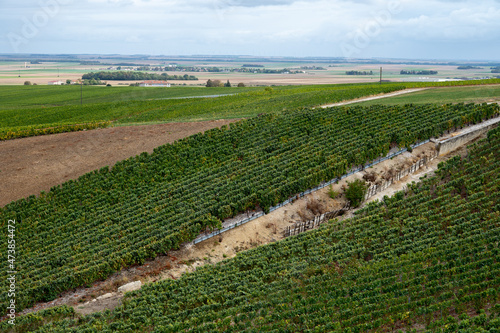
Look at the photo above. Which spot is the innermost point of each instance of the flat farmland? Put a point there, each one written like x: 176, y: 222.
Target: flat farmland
x: 15, y: 72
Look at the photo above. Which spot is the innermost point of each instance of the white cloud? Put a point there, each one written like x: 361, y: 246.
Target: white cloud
x: 266, y: 27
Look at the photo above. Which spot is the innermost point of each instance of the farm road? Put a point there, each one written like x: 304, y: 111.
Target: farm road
x: 371, y: 98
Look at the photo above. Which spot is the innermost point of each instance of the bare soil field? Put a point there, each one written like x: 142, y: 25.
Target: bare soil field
x: 35, y: 164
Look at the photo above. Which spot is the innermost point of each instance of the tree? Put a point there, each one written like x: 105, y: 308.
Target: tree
x: 27, y: 83
x: 68, y: 81
x: 214, y: 83
x: 241, y: 85
x: 227, y: 84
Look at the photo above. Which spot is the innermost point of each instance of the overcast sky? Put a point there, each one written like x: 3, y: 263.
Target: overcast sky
x: 430, y: 29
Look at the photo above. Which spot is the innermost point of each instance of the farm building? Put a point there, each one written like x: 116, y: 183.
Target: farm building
x: 153, y: 83
x: 55, y: 83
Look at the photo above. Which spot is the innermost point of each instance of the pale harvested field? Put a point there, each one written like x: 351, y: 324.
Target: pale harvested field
x: 234, y: 78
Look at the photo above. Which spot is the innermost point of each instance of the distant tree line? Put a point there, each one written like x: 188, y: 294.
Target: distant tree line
x: 128, y: 64
x: 495, y: 69
x: 265, y: 71
x: 195, y: 69
x: 359, y: 73
x: 468, y: 67
x: 134, y: 76
x: 252, y: 65
x: 90, y: 63
x: 231, y: 70
x: 413, y: 72
x: 313, y: 68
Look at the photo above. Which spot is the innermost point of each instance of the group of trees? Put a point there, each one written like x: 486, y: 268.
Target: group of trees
x: 495, y: 69
x: 359, y: 73
x: 134, y: 76
x: 218, y: 83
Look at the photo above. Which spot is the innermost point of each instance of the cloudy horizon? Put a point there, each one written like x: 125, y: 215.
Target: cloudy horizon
x: 435, y: 29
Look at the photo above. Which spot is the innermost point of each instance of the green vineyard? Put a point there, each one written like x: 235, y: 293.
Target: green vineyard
x: 421, y: 261
x: 83, y: 231
x: 38, y: 110
x: 48, y: 110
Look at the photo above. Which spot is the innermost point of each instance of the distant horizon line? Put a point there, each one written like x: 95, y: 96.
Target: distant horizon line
x: 336, y: 58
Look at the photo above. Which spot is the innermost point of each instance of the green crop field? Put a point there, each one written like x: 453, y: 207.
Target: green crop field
x: 44, y: 110
x: 426, y: 260
x: 84, y: 230
x: 37, y: 110
x: 20, y: 97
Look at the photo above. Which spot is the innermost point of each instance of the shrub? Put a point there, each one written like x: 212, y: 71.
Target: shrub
x: 355, y: 192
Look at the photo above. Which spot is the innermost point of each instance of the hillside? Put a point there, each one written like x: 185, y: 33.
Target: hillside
x: 424, y: 260
x: 84, y: 230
